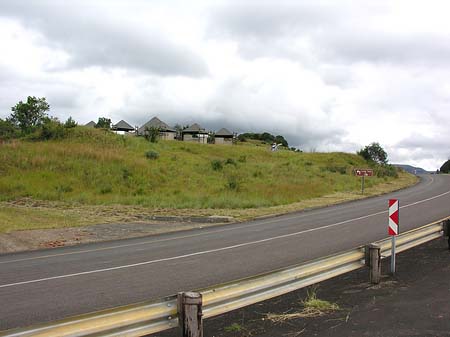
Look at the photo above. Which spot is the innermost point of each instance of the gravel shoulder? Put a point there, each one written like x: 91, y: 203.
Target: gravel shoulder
x: 52, y: 238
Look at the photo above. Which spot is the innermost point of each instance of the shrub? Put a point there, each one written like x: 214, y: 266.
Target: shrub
x: 8, y: 130
x: 50, y: 129
x: 152, y: 155
x: 106, y: 189
x: 335, y: 169
x: 232, y: 183
x: 387, y: 171
x: 216, y: 165
x: 151, y: 134
x: 230, y: 161
x: 126, y: 173
x: 242, y: 159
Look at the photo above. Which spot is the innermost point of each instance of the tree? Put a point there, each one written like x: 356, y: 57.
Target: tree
x: 151, y: 134
x: 374, y: 152
x: 445, y: 168
x: 281, y: 140
x: 27, y: 116
x: 70, y: 123
x: 103, y: 123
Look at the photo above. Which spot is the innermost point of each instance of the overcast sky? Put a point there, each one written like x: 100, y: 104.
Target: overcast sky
x: 329, y: 76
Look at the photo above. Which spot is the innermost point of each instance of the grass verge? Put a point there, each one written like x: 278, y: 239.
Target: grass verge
x: 27, y: 213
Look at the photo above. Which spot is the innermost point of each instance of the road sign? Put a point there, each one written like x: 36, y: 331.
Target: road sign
x: 393, y: 217
x: 364, y: 172
x: 393, y: 228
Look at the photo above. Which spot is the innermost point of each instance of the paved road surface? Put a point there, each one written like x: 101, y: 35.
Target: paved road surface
x: 51, y: 284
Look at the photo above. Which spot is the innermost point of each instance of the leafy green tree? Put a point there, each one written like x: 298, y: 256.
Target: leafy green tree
x: 70, y: 123
x: 281, y: 140
x: 103, y: 123
x: 29, y: 115
x: 374, y: 152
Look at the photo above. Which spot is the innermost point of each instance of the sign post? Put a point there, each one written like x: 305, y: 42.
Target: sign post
x: 393, y: 228
x: 363, y: 173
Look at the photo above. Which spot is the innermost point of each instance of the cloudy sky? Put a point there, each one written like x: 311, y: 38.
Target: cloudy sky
x: 329, y: 76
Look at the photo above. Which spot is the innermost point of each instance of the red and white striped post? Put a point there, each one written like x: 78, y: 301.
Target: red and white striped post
x: 394, y: 229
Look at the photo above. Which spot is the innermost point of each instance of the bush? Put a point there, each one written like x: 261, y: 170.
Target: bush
x: 216, y: 165
x: 106, y: 189
x: 232, y: 183
x: 52, y: 129
x: 151, y: 134
x: 8, y: 130
x: 152, y: 155
x: 230, y: 161
x: 335, y: 169
x: 242, y: 159
x: 387, y: 171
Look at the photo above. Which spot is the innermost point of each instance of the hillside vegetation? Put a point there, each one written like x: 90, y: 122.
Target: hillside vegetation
x: 96, y: 167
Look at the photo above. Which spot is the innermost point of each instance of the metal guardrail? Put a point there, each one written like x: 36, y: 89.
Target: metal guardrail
x: 154, y: 316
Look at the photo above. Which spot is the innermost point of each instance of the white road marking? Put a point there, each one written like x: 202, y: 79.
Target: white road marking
x: 212, y: 250
x: 263, y: 222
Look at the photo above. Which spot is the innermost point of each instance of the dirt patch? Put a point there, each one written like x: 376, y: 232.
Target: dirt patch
x: 60, y: 237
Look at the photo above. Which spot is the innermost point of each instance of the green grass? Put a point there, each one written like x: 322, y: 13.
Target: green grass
x: 94, y: 167
x: 97, y: 177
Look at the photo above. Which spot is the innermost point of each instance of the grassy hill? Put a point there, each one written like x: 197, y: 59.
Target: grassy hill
x: 95, y: 167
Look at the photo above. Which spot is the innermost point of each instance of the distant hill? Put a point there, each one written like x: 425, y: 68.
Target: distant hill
x: 412, y: 169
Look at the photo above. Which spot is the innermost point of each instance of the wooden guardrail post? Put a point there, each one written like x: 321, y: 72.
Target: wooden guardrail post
x: 190, y: 314
x: 447, y: 231
x: 373, y: 261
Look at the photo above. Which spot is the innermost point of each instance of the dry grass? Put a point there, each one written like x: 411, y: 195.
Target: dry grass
x: 312, y: 307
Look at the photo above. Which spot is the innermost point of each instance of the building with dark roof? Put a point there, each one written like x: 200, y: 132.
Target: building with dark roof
x: 122, y: 126
x: 195, y: 133
x: 91, y: 124
x: 165, y: 131
x: 224, y: 136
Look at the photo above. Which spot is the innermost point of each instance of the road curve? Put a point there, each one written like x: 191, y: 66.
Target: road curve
x: 51, y: 284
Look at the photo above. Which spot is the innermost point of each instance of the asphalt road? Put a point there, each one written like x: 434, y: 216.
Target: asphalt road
x: 51, y: 284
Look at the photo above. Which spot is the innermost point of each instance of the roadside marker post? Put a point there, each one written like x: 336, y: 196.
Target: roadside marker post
x: 363, y: 173
x: 393, y: 228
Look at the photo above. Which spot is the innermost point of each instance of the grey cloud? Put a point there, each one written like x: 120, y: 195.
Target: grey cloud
x: 92, y: 40
x: 418, y: 147
x: 334, y: 33
x: 374, y: 46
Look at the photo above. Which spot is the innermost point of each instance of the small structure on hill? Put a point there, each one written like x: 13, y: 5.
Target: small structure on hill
x: 224, y: 136
x: 195, y: 133
x: 91, y: 124
x: 122, y: 126
x: 165, y: 131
